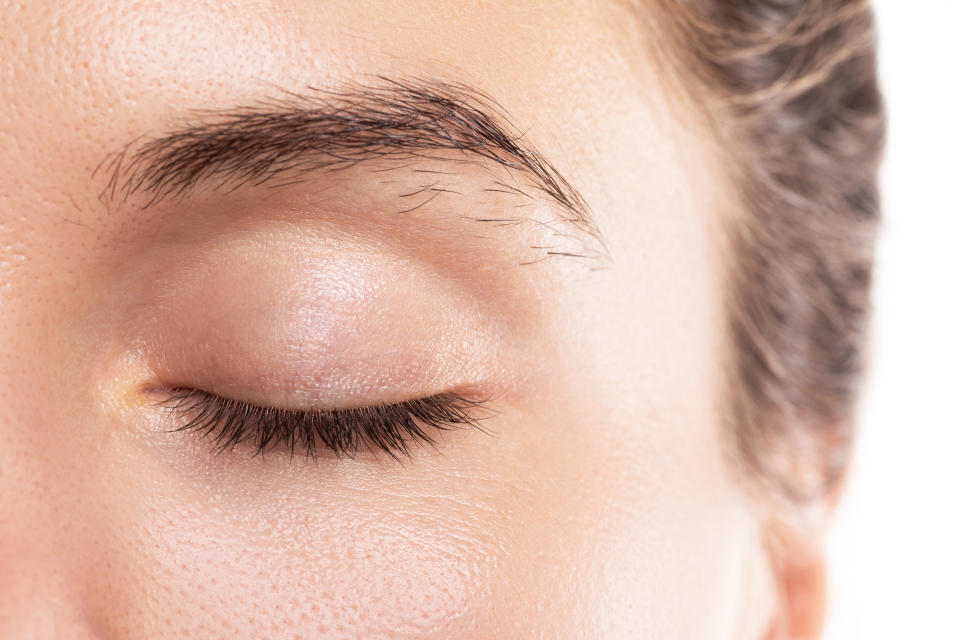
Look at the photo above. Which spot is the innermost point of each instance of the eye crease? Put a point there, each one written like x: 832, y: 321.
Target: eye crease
x: 386, y: 428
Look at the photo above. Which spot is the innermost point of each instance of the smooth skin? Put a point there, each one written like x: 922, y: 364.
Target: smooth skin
x: 601, y: 502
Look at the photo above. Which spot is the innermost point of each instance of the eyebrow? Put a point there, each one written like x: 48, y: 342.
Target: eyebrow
x: 281, y: 140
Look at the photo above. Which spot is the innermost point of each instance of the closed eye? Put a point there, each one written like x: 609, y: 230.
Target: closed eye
x: 387, y: 428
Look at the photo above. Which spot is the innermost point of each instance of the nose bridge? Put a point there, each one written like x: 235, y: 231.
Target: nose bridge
x: 48, y: 546
x: 45, y: 545
x: 45, y: 540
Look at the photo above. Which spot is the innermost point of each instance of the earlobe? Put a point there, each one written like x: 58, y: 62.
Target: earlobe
x: 798, y: 569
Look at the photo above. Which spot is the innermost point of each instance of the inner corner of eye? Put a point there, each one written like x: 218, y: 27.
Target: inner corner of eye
x: 164, y: 396
x: 149, y: 394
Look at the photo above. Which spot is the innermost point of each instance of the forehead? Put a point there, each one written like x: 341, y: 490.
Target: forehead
x: 151, y: 59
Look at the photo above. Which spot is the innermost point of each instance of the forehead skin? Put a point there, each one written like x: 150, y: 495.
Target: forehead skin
x: 600, y: 508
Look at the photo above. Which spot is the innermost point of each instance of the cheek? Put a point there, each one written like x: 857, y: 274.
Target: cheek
x: 308, y: 551
x: 359, y: 572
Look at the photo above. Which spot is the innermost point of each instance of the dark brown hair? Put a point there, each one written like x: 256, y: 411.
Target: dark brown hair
x: 791, y: 88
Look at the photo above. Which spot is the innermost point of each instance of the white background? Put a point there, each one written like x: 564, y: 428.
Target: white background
x: 895, y: 551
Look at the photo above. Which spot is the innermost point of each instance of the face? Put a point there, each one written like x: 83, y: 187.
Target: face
x: 576, y: 485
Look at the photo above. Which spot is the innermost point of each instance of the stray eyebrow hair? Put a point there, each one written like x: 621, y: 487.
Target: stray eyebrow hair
x: 335, y: 130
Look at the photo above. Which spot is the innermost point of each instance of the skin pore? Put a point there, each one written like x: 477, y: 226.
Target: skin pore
x: 598, y: 499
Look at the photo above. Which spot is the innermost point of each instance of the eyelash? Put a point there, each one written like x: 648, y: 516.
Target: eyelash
x: 389, y: 428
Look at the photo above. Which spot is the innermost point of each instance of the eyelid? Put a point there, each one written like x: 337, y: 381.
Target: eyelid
x: 387, y: 428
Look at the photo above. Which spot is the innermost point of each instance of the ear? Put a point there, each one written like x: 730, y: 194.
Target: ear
x: 798, y: 570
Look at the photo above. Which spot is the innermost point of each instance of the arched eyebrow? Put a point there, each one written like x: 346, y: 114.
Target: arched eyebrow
x: 281, y: 140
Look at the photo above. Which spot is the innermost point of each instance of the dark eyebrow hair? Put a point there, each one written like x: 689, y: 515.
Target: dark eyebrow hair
x: 333, y: 130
